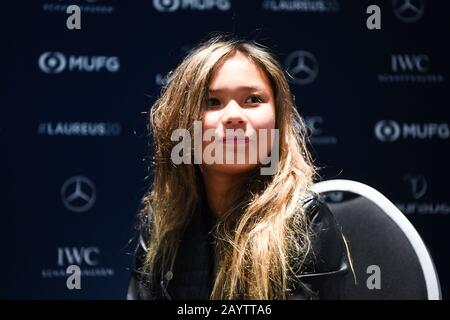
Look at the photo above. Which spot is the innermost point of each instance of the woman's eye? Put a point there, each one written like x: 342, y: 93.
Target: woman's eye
x: 254, y: 99
x: 210, y: 102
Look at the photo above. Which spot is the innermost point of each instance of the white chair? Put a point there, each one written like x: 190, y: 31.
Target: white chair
x: 381, y: 240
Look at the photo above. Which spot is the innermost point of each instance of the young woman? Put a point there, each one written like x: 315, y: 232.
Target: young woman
x: 229, y: 229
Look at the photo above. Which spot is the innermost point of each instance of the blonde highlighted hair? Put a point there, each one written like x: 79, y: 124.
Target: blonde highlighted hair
x: 262, y: 242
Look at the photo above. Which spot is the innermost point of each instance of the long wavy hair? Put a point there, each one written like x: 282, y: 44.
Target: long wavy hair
x: 262, y: 242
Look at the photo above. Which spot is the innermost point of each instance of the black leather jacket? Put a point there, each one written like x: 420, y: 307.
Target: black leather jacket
x: 193, y: 272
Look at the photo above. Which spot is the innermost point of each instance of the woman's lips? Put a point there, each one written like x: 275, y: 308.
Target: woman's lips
x: 235, y: 140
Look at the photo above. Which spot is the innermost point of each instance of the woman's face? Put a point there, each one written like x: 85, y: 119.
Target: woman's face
x: 239, y: 103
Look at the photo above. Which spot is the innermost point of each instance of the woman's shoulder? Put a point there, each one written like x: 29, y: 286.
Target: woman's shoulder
x: 140, y: 285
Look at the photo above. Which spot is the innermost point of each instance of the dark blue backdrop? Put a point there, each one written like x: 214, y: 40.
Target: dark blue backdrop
x: 73, y: 133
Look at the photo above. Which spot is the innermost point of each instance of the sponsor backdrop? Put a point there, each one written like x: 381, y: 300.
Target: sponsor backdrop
x: 73, y: 124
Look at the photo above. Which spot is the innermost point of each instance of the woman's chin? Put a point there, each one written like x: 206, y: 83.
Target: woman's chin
x: 231, y: 169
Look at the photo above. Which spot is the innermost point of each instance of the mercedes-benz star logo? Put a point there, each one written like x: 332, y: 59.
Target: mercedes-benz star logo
x: 78, y: 194
x: 408, y: 10
x: 302, y: 67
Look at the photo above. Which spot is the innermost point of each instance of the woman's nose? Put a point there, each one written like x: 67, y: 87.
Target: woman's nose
x: 233, y: 115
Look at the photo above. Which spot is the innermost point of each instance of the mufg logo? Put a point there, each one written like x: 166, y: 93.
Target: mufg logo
x: 199, y: 5
x: 390, y: 131
x: 57, y: 62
